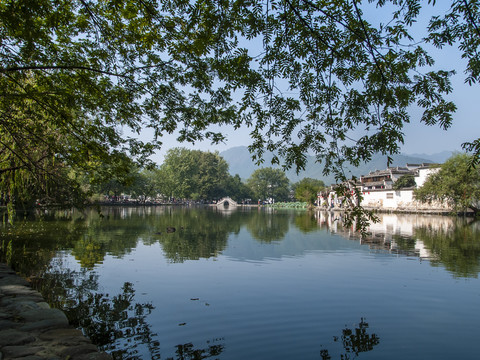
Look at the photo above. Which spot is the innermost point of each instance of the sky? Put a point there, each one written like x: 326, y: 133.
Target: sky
x: 419, y: 138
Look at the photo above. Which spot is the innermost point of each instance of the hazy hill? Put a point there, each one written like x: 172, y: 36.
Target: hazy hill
x: 439, y: 158
x: 240, y: 162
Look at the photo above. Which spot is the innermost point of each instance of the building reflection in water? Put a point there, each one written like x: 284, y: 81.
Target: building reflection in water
x: 399, y: 233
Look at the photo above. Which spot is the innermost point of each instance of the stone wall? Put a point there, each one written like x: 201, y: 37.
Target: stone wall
x: 400, y: 200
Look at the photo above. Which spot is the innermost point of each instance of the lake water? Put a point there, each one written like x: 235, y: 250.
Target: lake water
x: 257, y: 283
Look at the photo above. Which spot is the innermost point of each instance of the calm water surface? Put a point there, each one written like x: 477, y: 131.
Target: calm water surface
x: 256, y: 283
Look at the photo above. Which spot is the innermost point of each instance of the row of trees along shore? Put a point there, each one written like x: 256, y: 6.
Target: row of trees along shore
x: 194, y: 175
x: 317, y: 76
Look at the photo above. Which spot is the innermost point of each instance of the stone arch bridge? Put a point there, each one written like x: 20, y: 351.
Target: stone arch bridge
x: 226, y: 202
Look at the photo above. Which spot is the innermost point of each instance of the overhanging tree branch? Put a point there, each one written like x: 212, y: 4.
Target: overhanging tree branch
x: 471, y: 17
x: 310, y: 29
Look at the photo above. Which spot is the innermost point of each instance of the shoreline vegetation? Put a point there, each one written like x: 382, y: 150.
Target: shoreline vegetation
x: 279, y: 205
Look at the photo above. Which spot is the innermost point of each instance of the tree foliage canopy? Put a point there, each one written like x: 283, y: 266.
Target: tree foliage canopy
x: 307, y: 189
x: 404, y: 182
x: 194, y: 174
x: 75, y: 74
x: 455, y: 182
x: 237, y: 190
x: 269, y: 183
x: 329, y: 78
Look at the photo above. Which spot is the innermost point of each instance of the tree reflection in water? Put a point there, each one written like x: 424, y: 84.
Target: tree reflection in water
x: 268, y: 226
x: 306, y: 222
x: 353, y: 341
x: 450, y: 242
x: 456, y: 248
x: 117, y: 324
x: 188, y: 352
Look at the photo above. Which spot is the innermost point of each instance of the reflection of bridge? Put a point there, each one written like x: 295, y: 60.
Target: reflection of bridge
x: 226, y: 202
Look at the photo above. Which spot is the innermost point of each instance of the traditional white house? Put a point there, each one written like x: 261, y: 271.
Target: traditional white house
x: 386, y: 198
x: 384, y: 179
x: 378, y: 192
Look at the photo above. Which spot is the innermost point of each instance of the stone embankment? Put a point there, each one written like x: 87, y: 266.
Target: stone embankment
x: 31, y: 330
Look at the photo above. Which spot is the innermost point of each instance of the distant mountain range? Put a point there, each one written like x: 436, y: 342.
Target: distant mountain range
x: 240, y: 162
x: 438, y: 158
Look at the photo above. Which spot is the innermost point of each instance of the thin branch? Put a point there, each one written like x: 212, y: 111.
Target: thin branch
x: 52, y: 110
x: 327, y: 14
x: 61, y: 67
x: 97, y: 25
x: 26, y: 164
x: 369, y: 43
x: 6, y: 170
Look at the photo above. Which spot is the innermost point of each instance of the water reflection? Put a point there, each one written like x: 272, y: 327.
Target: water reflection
x: 354, y: 341
x: 456, y: 248
x: 451, y: 242
x: 306, y: 221
x: 205, y: 233
x: 199, y: 233
x: 268, y: 226
x: 189, y: 352
x: 117, y: 324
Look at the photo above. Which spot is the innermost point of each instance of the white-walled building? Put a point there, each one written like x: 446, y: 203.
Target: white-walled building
x: 378, y: 192
x: 386, y: 198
